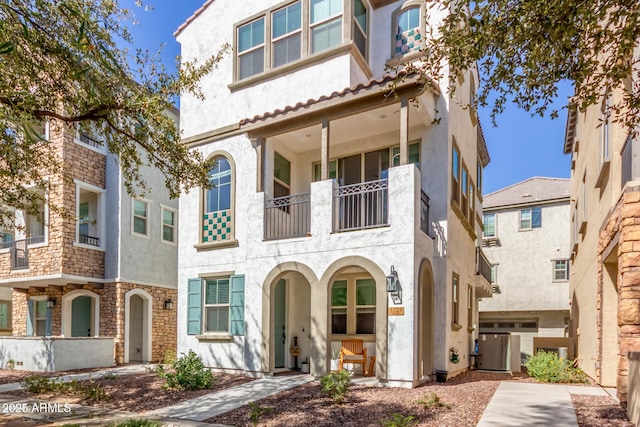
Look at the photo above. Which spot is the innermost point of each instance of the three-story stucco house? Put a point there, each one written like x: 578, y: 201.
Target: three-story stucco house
x: 526, y: 238
x: 338, y: 211
x: 92, y: 282
x: 605, y: 255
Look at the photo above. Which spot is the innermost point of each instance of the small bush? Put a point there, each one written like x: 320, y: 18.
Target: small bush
x: 432, y: 400
x: 11, y: 364
x: 169, y: 357
x: 190, y: 374
x: 257, y: 411
x: 399, y: 420
x: 549, y: 368
x: 38, y: 384
x: 335, y: 385
x: 110, y: 376
x: 136, y: 423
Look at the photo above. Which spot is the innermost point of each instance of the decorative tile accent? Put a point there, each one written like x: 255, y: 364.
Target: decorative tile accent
x: 408, y: 41
x: 216, y: 226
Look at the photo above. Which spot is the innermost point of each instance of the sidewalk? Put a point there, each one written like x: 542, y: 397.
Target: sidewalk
x: 516, y: 404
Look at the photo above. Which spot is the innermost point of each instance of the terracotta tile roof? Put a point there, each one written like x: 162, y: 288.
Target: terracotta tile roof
x: 337, y: 94
x: 530, y: 191
x: 192, y: 17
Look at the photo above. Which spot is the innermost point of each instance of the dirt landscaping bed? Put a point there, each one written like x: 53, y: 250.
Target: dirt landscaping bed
x: 458, y: 402
x: 135, y: 392
x: 8, y: 376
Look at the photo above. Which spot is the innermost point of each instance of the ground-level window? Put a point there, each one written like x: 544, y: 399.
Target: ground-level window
x: 353, y: 306
x: 455, y: 308
x: 216, y: 305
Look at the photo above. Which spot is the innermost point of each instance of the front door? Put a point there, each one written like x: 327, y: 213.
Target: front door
x: 81, y: 317
x: 279, y: 317
x: 136, y: 321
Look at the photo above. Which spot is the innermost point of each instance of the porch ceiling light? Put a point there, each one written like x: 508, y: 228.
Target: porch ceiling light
x: 393, y: 286
x: 168, y: 304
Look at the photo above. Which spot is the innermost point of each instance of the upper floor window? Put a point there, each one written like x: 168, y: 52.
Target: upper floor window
x: 464, y: 184
x: 530, y: 218
x: 325, y: 24
x: 604, y: 133
x: 408, y: 37
x: 217, y: 215
x: 455, y: 175
x: 560, y: 270
x: 489, y: 225
x: 479, y: 177
x: 140, y: 217
x: 360, y: 26
x: 168, y: 225
x: 251, y: 48
x: 281, y: 176
x: 286, y: 34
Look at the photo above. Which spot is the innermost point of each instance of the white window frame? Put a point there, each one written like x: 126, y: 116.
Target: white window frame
x: 147, y: 218
x: 174, y: 226
x: 205, y: 306
x: 101, y: 149
x: 554, y: 267
x: 495, y: 226
x: 530, y: 227
x: 101, y: 215
x: 352, y: 306
x: 34, y: 320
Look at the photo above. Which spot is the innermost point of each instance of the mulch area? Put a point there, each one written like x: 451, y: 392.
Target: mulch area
x: 597, y: 411
x: 8, y: 376
x: 138, y: 392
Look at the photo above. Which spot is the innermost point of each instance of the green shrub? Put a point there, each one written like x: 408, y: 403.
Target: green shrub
x: 257, y: 411
x: 38, y: 384
x: 169, y: 357
x: 399, y: 420
x: 190, y: 374
x: 549, y: 368
x: 335, y: 385
x: 136, y: 423
x: 432, y: 400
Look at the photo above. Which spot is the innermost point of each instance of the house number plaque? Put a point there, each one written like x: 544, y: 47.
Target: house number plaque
x: 395, y: 311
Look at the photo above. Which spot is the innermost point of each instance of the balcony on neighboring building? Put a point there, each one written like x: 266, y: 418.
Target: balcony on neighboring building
x: 483, y: 275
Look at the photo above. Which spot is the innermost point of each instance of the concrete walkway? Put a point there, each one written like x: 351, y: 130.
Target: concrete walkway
x: 517, y: 404
x: 210, y: 405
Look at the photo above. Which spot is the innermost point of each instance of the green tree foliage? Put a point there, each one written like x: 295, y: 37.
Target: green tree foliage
x: 60, y: 62
x: 523, y: 49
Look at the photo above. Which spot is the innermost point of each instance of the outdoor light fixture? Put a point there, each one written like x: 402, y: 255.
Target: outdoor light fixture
x: 393, y: 286
x: 168, y: 304
x: 51, y: 302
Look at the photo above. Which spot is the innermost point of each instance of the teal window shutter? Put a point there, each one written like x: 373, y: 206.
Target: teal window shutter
x: 194, y: 307
x: 30, y: 317
x: 49, y: 323
x: 237, y: 304
x: 536, y: 218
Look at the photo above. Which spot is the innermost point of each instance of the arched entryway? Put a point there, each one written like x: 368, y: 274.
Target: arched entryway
x: 80, y: 313
x: 287, y: 317
x: 356, y: 307
x: 137, y: 326
x: 425, y: 330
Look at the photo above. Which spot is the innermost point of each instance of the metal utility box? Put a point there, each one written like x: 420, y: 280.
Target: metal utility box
x: 494, y: 350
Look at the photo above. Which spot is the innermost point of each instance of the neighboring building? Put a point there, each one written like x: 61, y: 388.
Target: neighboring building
x: 605, y: 239
x: 103, y: 269
x: 526, y: 238
x: 324, y: 186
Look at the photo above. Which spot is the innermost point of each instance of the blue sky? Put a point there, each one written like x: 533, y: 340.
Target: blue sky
x: 520, y: 146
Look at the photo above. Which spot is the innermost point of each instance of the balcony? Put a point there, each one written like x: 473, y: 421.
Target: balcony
x: 361, y: 206
x: 483, y: 275
x: 20, y: 251
x: 287, y: 217
x: 89, y: 240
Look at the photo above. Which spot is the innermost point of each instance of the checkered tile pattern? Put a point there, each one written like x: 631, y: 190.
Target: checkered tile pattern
x: 216, y: 226
x: 408, y: 41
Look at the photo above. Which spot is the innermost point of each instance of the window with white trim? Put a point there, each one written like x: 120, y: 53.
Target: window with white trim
x: 140, y: 217
x: 216, y: 305
x: 251, y: 48
x: 489, y: 220
x: 286, y: 34
x: 560, y: 270
x: 168, y: 225
x: 353, y: 306
x: 530, y: 218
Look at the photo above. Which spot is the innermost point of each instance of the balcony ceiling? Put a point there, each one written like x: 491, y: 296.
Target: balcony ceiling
x: 359, y: 126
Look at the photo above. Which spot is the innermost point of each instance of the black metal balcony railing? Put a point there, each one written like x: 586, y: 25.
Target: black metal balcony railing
x: 287, y: 217
x: 483, y: 266
x: 360, y: 206
x: 89, y: 240
x: 86, y: 139
x: 424, y: 213
x: 30, y: 241
x: 20, y: 251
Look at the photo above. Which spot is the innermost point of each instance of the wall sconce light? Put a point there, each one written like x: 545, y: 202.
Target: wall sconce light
x: 393, y: 286
x: 168, y: 304
x: 51, y: 302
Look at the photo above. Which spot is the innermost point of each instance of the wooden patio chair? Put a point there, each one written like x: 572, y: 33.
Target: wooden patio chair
x: 352, y: 351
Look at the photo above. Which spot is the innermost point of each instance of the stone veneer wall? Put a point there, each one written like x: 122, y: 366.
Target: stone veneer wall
x: 624, y: 220
x: 164, y: 333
